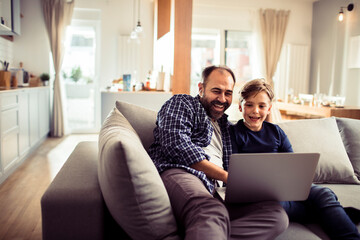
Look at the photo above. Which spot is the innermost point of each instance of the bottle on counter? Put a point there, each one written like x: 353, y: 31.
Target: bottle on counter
x: 148, y: 81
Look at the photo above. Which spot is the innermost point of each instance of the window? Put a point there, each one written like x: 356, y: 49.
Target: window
x: 238, y: 55
x: 205, y: 51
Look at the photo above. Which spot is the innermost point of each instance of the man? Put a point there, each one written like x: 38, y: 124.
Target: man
x: 191, y: 151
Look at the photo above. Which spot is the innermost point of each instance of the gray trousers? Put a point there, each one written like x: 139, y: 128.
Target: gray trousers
x: 201, y: 216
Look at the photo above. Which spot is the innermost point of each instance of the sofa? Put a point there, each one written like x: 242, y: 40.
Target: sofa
x: 110, y: 189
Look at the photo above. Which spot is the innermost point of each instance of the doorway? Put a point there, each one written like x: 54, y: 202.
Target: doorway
x: 80, y: 71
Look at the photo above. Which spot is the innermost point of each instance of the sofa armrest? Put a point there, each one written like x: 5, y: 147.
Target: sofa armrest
x: 73, y: 207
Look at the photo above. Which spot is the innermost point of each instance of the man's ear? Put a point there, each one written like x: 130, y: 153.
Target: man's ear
x: 201, y: 89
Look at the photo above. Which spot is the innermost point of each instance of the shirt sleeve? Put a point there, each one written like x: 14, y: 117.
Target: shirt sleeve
x: 233, y: 136
x: 285, y: 142
x: 176, y: 122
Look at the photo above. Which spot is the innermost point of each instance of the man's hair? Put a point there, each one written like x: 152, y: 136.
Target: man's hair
x: 208, y: 70
x: 254, y: 87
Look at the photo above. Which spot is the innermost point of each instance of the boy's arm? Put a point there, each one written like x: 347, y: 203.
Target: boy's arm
x: 285, y: 142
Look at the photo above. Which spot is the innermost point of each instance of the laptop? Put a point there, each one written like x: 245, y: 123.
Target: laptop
x: 259, y: 177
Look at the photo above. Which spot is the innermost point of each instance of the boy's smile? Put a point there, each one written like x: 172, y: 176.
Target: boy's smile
x: 255, y: 109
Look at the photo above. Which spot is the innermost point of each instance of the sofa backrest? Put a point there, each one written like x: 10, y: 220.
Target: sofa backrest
x: 322, y: 136
x: 141, y: 119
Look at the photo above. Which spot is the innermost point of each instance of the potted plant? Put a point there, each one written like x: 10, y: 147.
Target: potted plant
x: 45, y: 77
x: 76, y: 74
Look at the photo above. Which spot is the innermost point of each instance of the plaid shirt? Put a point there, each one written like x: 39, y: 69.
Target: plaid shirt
x: 183, y: 129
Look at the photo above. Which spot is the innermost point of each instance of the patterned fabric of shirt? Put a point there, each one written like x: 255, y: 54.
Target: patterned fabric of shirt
x: 182, y: 129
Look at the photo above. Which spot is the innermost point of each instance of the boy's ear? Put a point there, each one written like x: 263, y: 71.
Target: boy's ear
x: 240, y: 108
x: 269, y: 111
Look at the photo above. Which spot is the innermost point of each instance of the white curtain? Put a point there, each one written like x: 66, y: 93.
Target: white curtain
x: 57, y: 15
x: 273, y: 27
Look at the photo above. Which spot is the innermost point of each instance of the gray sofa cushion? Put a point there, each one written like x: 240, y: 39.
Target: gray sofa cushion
x: 322, y: 135
x: 298, y: 231
x: 132, y: 188
x: 143, y: 123
x: 350, y: 134
x: 348, y: 194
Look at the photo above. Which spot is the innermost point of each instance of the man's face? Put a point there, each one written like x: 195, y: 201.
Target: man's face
x: 255, y: 109
x: 216, y: 95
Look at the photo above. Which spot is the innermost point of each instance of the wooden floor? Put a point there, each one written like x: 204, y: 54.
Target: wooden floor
x: 20, y: 194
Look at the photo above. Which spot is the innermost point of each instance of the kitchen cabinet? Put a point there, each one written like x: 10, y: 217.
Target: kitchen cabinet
x: 10, y: 17
x: 34, y: 118
x: 9, y: 130
x: 24, y: 124
x: 44, y: 112
x: 5, y: 16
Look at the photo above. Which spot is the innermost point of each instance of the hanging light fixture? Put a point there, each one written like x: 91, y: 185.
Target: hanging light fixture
x: 138, y: 26
x: 350, y: 7
x: 133, y: 34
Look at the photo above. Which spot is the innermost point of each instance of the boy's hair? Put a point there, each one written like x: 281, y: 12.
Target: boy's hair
x: 208, y: 70
x: 254, y: 87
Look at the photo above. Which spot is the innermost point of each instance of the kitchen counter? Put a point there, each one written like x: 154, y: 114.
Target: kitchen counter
x: 148, y: 99
x: 294, y: 111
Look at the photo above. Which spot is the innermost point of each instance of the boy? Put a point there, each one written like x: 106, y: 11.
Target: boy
x: 254, y: 134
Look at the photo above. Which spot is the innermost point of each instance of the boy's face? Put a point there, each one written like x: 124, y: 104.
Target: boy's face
x: 255, y: 109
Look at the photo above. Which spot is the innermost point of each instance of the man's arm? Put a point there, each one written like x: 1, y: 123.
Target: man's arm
x: 211, y: 170
x: 175, y: 126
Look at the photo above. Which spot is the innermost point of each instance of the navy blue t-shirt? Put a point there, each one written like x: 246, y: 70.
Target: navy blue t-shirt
x: 271, y: 138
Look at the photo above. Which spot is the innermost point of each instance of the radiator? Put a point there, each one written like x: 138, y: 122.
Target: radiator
x: 128, y: 56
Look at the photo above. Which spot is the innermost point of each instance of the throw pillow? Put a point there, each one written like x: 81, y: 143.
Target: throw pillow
x: 141, y: 119
x: 322, y: 136
x: 350, y: 134
x: 132, y: 188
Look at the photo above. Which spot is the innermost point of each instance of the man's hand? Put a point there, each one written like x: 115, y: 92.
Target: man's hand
x: 211, y: 170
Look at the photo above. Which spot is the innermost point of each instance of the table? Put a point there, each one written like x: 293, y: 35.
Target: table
x: 296, y: 111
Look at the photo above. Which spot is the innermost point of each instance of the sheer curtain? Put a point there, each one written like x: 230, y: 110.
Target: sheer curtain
x: 273, y: 27
x: 57, y: 15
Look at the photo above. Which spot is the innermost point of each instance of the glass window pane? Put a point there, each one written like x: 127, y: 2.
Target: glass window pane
x: 205, y: 51
x: 237, y: 54
x: 78, y: 72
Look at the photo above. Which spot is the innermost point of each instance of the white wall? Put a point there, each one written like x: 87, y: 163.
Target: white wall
x: 117, y: 19
x: 235, y: 15
x: 330, y: 72
x: 244, y: 15
x: 32, y: 46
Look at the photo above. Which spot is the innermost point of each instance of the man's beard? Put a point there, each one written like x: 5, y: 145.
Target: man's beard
x: 208, y: 106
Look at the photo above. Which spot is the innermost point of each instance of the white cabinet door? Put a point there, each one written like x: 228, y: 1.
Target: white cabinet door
x: 9, y: 149
x: 44, y: 112
x: 34, y: 117
x: 9, y: 137
x: 24, y: 140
